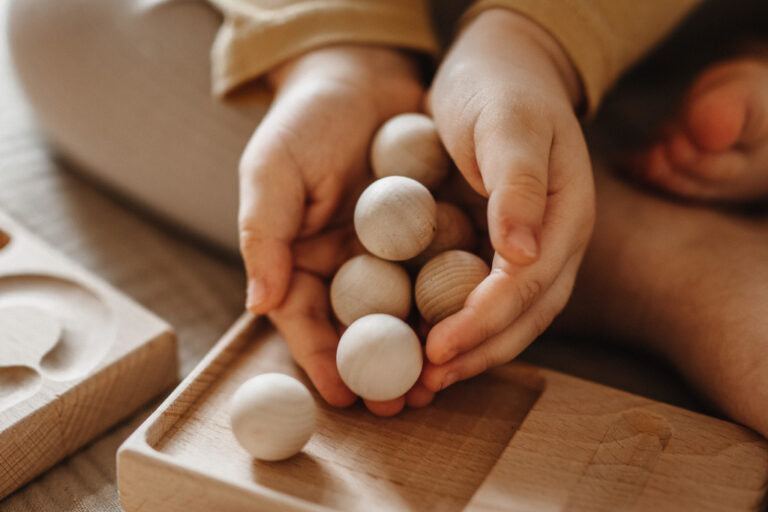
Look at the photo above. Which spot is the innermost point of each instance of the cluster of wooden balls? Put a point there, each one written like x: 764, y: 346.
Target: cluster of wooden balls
x: 407, y: 232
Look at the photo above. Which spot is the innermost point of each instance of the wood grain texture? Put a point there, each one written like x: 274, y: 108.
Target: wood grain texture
x: 408, y: 145
x: 395, y: 218
x: 518, y: 438
x: 445, y: 282
x: 454, y: 231
x: 77, y: 356
x: 365, y: 285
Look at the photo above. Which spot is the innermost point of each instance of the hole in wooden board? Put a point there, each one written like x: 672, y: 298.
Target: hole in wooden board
x: 83, y: 324
x: 4, y: 239
x: 433, y: 458
x: 17, y: 383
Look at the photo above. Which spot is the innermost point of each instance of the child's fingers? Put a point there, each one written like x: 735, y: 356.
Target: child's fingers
x: 502, y: 149
x: 272, y: 198
x: 502, y: 299
x: 303, y: 319
x: 512, y: 153
x: 387, y: 408
x: 419, y: 396
x: 324, y: 253
x: 506, y: 345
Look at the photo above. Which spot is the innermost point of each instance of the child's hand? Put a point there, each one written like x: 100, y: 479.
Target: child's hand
x: 307, y: 157
x: 503, y: 104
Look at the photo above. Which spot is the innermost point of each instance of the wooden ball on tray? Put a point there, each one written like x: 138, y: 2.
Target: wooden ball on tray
x: 365, y: 285
x: 408, y: 145
x: 379, y: 357
x: 395, y: 218
x: 272, y: 416
x: 445, y: 282
x: 454, y: 231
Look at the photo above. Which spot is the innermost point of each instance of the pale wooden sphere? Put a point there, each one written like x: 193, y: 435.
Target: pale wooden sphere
x: 445, y: 282
x: 272, y: 416
x: 454, y: 231
x: 379, y: 357
x: 365, y: 285
x: 408, y: 145
x: 395, y: 218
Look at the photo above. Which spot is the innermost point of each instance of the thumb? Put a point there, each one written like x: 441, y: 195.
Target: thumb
x: 271, y: 212
x: 514, y: 164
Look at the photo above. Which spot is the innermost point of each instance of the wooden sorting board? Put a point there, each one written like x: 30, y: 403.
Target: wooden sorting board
x: 76, y: 356
x: 518, y: 438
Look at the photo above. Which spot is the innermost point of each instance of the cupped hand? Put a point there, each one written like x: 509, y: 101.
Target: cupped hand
x: 299, y: 175
x: 503, y: 102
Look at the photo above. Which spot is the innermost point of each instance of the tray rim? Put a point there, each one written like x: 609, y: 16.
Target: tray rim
x: 140, y: 446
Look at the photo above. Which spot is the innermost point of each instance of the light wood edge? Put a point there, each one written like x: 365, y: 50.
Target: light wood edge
x: 551, y: 381
x: 139, y: 460
x: 158, y: 351
x: 162, y: 483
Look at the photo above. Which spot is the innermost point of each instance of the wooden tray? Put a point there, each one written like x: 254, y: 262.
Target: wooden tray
x: 76, y: 356
x: 518, y: 438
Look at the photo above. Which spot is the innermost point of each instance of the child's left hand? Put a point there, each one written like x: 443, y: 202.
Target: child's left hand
x: 502, y: 102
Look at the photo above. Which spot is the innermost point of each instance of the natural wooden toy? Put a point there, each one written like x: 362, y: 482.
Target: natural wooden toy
x: 445, y: 282
x: 408, y: 145
x: 76, y: 356
x: 272, y: 416
x: 365, y: 285
x: 379, y: 357
x: 395, y: 218
x: 519, y: 437
x: 454, y: 231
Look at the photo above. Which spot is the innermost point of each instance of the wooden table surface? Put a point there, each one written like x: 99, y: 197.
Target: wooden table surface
x: 199, y: 292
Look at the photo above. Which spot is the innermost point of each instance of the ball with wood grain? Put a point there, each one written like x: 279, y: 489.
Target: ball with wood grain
x: 272, y: 416
x: 454, y: 231
x: 365, y: 285
x: 445, y: 282
x: 379, y: 357
x: 395, y: 218
x: 408, y: 145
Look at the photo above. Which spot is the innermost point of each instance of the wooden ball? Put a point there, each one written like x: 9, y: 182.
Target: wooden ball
x: 365, y: 285
x: 272, y: 416
x: 454, y: 231
x: 445, y: 282
x: 379, y: 357
x: 395, y: 218
x: 408, y: 145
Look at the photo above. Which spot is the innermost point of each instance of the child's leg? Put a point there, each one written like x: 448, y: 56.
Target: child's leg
x: 717, y: 145
x: 122, y: 88
x: 689, y: 283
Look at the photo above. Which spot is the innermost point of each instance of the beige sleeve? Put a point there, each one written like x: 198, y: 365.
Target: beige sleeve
x: 601, y: 37
x: 259, y: 34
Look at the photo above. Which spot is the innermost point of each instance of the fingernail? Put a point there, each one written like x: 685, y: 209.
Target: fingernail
x: 256, y: 293
x: 449, y: 379
x: 522, y: 238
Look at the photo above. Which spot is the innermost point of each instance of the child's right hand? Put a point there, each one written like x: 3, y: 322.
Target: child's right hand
x: 309, y: 155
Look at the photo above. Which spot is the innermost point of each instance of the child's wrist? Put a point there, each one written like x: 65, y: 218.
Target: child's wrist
x: 529, y: 34
x: 363, y: 65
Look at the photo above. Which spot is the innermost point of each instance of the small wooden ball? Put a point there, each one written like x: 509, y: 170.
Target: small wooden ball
x: 454, y: 231
x: 395, y: 218
x: 365, y: 285
x: 445, y: 282
x: 379, y: 357
x: 408, y: 145
x: 272, y: 416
